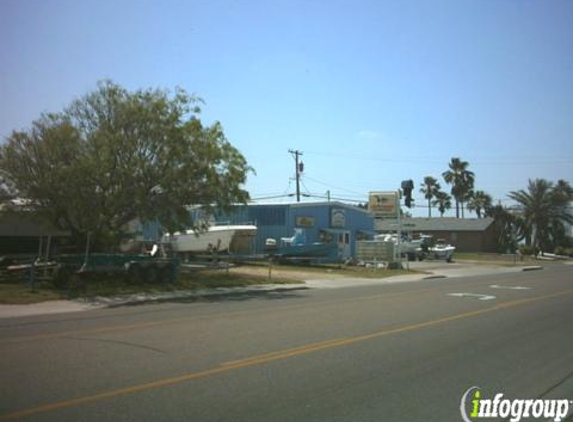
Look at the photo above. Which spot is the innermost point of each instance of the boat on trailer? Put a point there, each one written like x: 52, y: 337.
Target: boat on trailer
x: 297, y: 248
x: 442, y: 250
x: 217, y: 238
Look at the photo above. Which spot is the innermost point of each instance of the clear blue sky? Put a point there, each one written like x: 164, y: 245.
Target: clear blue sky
x: 373, y: 92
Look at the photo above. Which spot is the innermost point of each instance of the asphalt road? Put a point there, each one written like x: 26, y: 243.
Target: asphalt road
x: 396, y: 352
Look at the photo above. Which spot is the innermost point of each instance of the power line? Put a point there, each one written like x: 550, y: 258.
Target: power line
x: 328, y: 185
x: 298, y: 168
x: 262, y: 198
x: 509, y: 161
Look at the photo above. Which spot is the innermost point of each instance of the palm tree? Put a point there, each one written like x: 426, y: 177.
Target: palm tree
x: 430, y: 188
x: 443, y: 201
x: 461, y: 179
x: 479, y: 201
x: 545, y: 208
x: 504, y: 227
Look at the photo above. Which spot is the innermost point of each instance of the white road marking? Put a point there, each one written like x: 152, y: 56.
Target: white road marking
x: 474, y: 295
x: 497, y: 286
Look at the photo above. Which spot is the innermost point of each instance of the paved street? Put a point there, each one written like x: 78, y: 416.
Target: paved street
x: 384, y: 352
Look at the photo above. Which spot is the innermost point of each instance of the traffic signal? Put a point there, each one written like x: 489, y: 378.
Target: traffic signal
x: 407, y: 187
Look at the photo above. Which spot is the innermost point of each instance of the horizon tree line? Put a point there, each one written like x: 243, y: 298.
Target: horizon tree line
x: 544, y: 208
x: 462, y: 191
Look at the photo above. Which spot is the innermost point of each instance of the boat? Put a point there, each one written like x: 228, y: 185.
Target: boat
x: 421, y: 248
x: 412, y: 248
x: 296, y: 247
x: 217, y: 238
x: 442, y: 250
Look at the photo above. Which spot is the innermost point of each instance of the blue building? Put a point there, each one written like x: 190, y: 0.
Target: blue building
x: 322, y: 222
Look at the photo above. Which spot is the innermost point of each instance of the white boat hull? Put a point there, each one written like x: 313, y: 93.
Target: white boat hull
x: 217, y: 238
x: 445, y: 252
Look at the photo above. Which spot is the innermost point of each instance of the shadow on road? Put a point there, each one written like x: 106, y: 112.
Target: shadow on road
x: 214, y: 297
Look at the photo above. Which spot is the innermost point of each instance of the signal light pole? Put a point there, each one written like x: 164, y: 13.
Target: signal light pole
x: 407, y: 187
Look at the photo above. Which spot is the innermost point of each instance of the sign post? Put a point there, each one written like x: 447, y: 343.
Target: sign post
x: 399, y: 235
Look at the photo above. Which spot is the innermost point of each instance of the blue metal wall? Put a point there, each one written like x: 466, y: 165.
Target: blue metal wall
x: 279, y: 220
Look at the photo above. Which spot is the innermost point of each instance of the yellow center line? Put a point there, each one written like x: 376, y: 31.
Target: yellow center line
x: 269, y: 357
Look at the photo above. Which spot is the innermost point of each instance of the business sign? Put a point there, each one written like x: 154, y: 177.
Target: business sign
x: 301, y: 221
x: 337, y: 218
x: 384, y: 204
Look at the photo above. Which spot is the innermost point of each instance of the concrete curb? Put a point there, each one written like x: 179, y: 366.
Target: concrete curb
x: 434, y: 277
x: 182, y: 295
x: 532, y: 268
x: 99, y: 302
x: 8, y: 311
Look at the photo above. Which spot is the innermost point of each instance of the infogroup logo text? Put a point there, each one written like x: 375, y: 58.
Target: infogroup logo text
x: 514, y: 409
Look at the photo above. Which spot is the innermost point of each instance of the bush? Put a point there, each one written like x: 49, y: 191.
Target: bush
x: 559, y: 250
x: 527, y: 250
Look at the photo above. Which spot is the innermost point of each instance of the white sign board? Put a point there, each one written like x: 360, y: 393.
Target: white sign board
x: 384, y: 204
x: 338, y: 218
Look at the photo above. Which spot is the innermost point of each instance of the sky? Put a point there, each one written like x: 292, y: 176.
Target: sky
x: 372, y: 92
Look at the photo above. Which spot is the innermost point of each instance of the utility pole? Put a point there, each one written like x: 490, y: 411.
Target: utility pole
x: 299, y: 169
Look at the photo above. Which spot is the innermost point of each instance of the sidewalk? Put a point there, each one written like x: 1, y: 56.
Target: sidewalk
x: 99, y: 302
x: 433, y: 270
x: 44, y: 308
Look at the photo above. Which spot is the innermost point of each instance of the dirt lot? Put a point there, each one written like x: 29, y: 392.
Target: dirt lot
x: 296, y: 273
x: 315, y: 273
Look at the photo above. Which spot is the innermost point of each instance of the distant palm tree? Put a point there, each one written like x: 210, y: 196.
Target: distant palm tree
x: 461, y: 179
x: 504, y: 228
x: 443, y: 201
x: 479, y: 201
x: 430, y: 188
x: 545, y: 208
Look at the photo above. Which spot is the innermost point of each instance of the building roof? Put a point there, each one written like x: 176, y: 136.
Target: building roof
x: 311, y: 204
x: 25, y: 224
x: 438, y: 224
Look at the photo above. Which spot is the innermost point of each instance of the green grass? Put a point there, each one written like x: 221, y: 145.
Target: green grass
x: 23, y: 294
x: 489, y: 257
x: 20, y: 292
x: 213, y: 279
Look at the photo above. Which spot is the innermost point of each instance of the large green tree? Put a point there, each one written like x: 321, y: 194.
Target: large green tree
x: 430, y: 187
x: 113, y: 156
x: 545, y: 210
x: 461, y: 180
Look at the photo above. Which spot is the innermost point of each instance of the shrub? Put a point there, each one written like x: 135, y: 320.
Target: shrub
x: 526, y: 250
